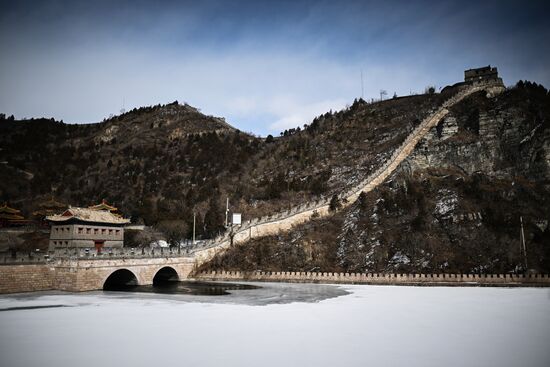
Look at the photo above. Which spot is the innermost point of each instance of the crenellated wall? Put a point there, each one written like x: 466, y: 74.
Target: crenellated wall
x: 284, y: 221
x: 381, y: 278
x: 86, y: 275
x: 82, y: 270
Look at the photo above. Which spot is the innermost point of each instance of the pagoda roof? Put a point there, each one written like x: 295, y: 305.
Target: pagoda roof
x: 87, y: 215
x: 49, y: 207
x: 52, y: 203
x: 11, y: 217
x: 6, y: 209
x: 103, y: 206
x: 44, y: 212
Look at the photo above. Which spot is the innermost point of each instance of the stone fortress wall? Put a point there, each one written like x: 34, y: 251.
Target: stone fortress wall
x: 78, y: 274
x: 541, y: 280
x: 80, y: 269
x: 26, y: 278
x: 284, y: 221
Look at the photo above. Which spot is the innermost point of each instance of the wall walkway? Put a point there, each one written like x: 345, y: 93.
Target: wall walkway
x: 81, y: 270
x: 284, y: 221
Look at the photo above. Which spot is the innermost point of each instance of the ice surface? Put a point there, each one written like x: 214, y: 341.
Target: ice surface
x: 371, y: 325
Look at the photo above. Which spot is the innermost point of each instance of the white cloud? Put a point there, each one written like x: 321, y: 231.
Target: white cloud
x: 263, y: 91
x: 261, y: 75
x: 296, y: 114
x: 241, y: 105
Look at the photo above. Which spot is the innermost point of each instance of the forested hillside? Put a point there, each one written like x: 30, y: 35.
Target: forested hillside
x: 453, y: 204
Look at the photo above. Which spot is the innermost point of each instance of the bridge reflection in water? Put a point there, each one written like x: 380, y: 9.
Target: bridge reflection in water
x: 166, y: 281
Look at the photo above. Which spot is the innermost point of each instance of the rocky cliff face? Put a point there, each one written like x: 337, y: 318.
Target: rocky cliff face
x: 454, y: 205
x: 488, y: 135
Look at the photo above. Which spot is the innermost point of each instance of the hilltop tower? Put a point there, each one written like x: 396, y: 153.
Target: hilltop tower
x: 484, y: 74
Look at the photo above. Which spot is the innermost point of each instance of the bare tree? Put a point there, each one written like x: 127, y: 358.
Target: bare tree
x: 430, y: 89
x: 174, y: 230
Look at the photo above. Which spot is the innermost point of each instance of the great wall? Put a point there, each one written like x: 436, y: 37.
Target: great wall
x: 283, y: 221
x: 83, y: 270
x: 443, y: 279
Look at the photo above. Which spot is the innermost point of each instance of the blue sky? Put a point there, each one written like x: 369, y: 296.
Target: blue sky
x: 265, y: 66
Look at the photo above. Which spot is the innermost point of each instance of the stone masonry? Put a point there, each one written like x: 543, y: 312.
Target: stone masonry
x: 281, y: 222
x: 540, y: 280
x: 83, y: 272
x: 77, y: 275
x: 26, y: 278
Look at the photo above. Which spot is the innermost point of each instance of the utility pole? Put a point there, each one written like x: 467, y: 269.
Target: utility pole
x: 226, y: 211
x: 193, y: 228
x: 522, y: 234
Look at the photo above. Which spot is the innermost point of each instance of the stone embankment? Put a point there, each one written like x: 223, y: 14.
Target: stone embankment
x: 493, y: 280
x: 26, y: 278
x: 284, y: 221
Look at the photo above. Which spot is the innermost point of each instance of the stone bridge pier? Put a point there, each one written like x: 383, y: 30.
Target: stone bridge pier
x: 78, y: 275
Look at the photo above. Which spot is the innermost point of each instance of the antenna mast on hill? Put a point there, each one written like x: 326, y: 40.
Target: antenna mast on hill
x: 122, y: 110
x: 362, y: 87
x: 522, y: 243
x: 226, y: 211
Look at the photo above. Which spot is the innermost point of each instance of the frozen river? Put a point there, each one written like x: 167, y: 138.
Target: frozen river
x: 280, y: 325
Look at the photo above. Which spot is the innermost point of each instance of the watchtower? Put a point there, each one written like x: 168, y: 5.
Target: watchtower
x: 484, y: 74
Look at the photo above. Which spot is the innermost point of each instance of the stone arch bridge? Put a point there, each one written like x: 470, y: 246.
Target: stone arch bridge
x: 77, y: 270
x: 84, y: 274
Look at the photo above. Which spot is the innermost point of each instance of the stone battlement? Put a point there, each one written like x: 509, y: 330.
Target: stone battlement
x: 86, y: 269
x: 285, y: 220
x: 486, y: 73
x: 542, y: 280
x: 93, y: 254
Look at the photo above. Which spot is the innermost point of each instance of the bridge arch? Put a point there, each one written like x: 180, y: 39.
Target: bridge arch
x: 120, y: 279
x: 165, y: 274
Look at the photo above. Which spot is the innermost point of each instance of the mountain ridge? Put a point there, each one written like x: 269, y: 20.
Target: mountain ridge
x: 156, y: 178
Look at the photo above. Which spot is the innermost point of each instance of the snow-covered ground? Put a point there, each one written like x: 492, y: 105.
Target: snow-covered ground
x: 281, y: 325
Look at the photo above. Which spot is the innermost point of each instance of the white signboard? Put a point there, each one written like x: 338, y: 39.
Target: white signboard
x: 236, y: 218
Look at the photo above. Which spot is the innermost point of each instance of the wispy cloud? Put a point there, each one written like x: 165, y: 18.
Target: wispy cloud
x: 295, y: 114
x: 264, y: 66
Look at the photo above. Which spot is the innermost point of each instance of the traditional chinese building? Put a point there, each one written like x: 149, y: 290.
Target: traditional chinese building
x: 105, y: 207
x: 48, y: 208
x: 86, y: 228
x: 10, y: 217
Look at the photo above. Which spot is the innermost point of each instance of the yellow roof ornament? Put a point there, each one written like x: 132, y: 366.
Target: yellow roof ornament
x: 103, y: 206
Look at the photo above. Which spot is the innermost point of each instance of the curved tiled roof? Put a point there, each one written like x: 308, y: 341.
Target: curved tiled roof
x: 88, y: 215
x: 103, y: 206
x: 6, y: 209
x: 9, y: 216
